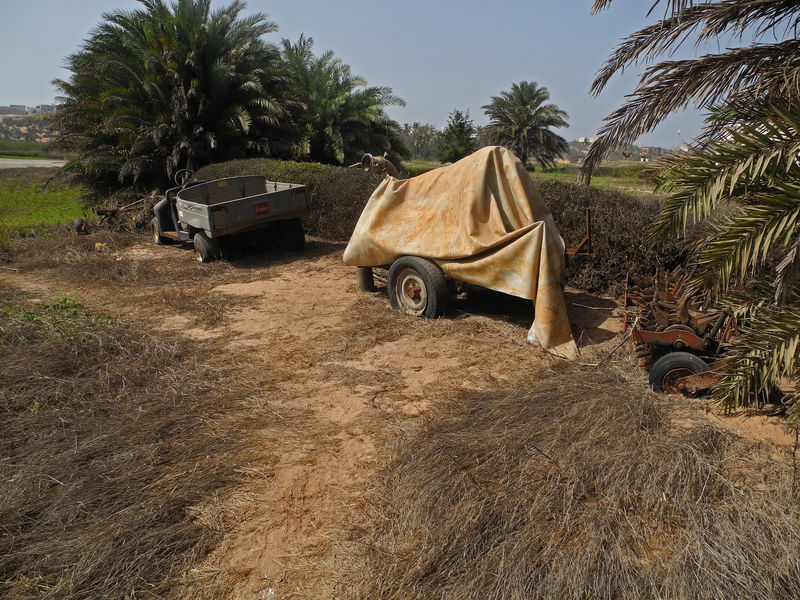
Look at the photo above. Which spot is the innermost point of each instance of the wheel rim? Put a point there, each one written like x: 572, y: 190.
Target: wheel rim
x: 410, y: 292
x: 155, y: 233
x: 669, y: 383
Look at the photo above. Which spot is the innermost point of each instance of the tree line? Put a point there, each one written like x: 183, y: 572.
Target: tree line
x: 519, y: 119
x: 179, y: 85
x: 167, y: 87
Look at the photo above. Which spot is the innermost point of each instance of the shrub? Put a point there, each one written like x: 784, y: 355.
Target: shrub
x: 619, y: 225
x: 412, y: 170
x: 619, y: 220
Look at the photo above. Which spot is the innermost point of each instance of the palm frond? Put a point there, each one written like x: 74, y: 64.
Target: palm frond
x: 767, y: 351
x: 745, y: 158
x: 760, y: 71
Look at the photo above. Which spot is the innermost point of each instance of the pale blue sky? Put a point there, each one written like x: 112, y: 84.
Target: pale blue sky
x: 437, y: 55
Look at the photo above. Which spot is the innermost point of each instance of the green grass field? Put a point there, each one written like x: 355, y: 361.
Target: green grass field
x: 627, y: 176
x: 27, y: 207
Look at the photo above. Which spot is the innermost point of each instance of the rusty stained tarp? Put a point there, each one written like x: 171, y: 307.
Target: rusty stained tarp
x: 483, y: 222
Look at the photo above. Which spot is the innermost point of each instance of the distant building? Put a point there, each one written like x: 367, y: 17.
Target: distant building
x: 13, y: 109
x: 586, y: 140
x: 42, y: 109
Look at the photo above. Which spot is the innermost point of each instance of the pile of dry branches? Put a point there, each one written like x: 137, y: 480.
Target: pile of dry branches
x: 581, y: 485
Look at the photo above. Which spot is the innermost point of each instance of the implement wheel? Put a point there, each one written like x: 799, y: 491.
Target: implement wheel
x: 668, y: 369
x: 418, y: 287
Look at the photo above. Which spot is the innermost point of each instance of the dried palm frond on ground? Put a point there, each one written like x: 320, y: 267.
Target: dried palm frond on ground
x: 579, y: 485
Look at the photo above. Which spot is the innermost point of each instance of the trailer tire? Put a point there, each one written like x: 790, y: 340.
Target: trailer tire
x: 669, y: 368
x: 418, y: 287
x: 158, y: 239
x: 291, y: 234
x: 205, y: 248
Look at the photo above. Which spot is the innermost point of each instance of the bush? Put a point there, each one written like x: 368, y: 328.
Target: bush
x: 619, y: 220
x: 619, y: 225
x: 337, y: 195
x: 412, y: 170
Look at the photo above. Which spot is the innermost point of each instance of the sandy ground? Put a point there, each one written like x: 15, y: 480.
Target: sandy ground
x: 347, y: 366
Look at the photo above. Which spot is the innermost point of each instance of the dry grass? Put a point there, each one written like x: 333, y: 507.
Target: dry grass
x: 575, y: 486
x: 116, y: 445
x: 126, y: 455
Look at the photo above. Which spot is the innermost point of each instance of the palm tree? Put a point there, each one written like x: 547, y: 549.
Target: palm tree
x: 341, y: 118
x: 458, y: 139
x: 163, y: 88
x: 739, y: 182
x: 520, y: 121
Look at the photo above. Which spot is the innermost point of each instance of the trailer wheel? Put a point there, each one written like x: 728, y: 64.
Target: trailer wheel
x: 205, y: 248
x: 291, y: 234
x: 158, y: 239
x: 418, y: 287
x: 667, y: 370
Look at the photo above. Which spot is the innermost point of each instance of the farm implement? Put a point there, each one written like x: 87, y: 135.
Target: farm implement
x: 678, y: 333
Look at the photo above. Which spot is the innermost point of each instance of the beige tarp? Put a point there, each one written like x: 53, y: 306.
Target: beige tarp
x: 483, y: 222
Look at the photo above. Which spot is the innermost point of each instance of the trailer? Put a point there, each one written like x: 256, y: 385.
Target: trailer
x: 208, y: 213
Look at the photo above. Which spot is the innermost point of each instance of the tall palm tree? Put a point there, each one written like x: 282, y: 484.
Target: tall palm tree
x: 341, y: 117
x: 521, y: 121
x: 167, y: 87
x: 740, y: 179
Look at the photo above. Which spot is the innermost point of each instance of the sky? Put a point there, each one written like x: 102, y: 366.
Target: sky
x: 437, y: 55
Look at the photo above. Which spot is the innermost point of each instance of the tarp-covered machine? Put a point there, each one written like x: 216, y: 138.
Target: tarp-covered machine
x: 480, y: 221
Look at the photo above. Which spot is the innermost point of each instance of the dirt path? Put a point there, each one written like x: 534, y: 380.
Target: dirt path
x: 339, y: 368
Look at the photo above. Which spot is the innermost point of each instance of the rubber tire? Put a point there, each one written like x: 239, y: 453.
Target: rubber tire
x: 672, y: 362
x: 158, y: 239
x: 437, y: 293
x: 205, y: 249
x: 291, y: 234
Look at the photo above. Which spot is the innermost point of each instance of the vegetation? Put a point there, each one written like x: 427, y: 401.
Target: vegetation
x: 416, y: 167
x: 29, y: 204
x: 458, y: 139
x: 521, y: 121
x: 178, y: 86
x: 24, y: 149
x: 739, y: 179
x: 341, y: 118
x: 28, y: 128
x: 339, y: 195
x: 618, y: 220
x: 422, y: 140
x: 98, y: 468
x: 168, y: 87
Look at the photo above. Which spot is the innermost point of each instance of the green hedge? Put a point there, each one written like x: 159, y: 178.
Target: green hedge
x: 619, y: 220
x: 621, y: 169
x: 338, y: 195
x: 412, y: 170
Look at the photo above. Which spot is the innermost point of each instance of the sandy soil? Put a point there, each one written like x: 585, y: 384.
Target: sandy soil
x: 347, y: 366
